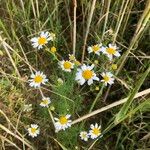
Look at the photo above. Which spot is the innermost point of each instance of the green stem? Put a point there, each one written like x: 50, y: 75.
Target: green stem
x: 97, y: 97
x: 126, y: 106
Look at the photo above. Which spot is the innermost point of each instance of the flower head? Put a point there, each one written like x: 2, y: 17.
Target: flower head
x: 95, y: 48
x: 111, y: 51
x: 86, y: 74
x: 107, y: 78
x: 84, y: 136
x: 66, y: 65
x: 95, y: 131
x: 53, y: 49
x: 27, y: 107
x: 37, y: 79
x: 45, y: 102
x: 39, y: 42
x: 72, y: 57
x: 33, y: 130
x: 63, y: 122
x: 114, y: 66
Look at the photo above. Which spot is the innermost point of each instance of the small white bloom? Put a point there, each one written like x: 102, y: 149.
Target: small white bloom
x: 27, y: 107
x: 62, y: 123
x: 111, y: 51
x: 72, y: 57
x: 95, y: 131
x: 86, y: 74
x: 34, y: 130
x: 37, y: 79
x: 107, y: 78
x: 39, y: 42
x: 45, y: 102
x: 66, y: 65
x: 96, y: 49
x: 84, y: 136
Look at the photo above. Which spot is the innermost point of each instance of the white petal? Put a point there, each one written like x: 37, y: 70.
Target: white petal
x: 96, y: 78
x: 117, y: 54
x: 82, y: 81
x: 90, y: 81
x: 83, y: 67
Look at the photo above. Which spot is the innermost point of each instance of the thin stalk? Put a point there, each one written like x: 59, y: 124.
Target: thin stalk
x: 97, y: 97
x: 16, y: 136
x: 33, y: 8
x: 87, y: 29
x: 117, y: 103
x: 69, y: 19
x: 9, y: 55
x: 22, y: 5
x: 120, y: 20
x: 126, y: 106
x: 11, y: 143
x: 51, y: 116
x: 106, y: 18
x: 127, y: 17
x: 139, y: 30
x: 74, y: 26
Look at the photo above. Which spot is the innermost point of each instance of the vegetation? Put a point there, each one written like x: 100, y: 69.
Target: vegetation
x: 32, y: 111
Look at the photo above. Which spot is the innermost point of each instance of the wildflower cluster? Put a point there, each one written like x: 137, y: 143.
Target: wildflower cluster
x: 94, y: 132
x: 85, y: 73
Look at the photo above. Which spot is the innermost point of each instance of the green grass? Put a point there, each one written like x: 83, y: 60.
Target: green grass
x: 125, y: 122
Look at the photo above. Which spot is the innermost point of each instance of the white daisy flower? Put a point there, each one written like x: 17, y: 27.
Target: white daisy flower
x: 86, y: 74
x: 96, y: 48
x: 111, y: 51
x: 45, y: 102
x: 66, y: 65
x: 107, y: 78
x: 84, y: 136
x: 37, y: 79
x: 39, y: 42
x: 95, y: 131
x: 34, y: 130
x: 63, y: 122
x: 72, y: 57
x: 27, y: 107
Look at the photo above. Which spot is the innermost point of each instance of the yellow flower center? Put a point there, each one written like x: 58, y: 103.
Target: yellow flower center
x: 84, y: 135
x: 111, y: 51
x: 33, y: 130
x: 95, y: 48
x: 96, y: 131
x: 106, y: 78
x: 67, y: 65
x: 63, y: 120
x: 53, y: 49
x: 38, y: 79
x: 45, y: 101
x: 42, y: 40
x: 87, y: 74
